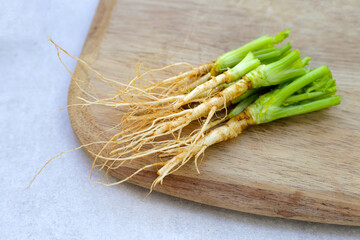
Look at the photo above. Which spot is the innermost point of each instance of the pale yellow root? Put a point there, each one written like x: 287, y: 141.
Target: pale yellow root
x: 141, y: 117
x: 204, y: 128
x: 131, y: 151
x: 205, y: 87
x: 174, y: 85
x: 184, y: 77
x: 196, y: 83
x: 215, y: 123
x: 134, y: 141
x: 160, y: 147
x: 100, y: 76
x: 154, y: 124
x: 161, y: 104
x: 208, y: 94
x: 205, y: 125
x: 132, y: 175
x: 166, y: 147
x: 100, y: 152
x: 196, y: 148
x: 219, y: 101
x: 48, y: 161
x: 137, y: 142
x: 141, y: 76
x: 231, y: 129
x: 159, y: 101
x: 202, y: 94
x: 110, y: 102
x: 140, y: 95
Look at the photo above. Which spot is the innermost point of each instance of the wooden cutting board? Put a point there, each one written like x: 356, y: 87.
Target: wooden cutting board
x: 305, y: 167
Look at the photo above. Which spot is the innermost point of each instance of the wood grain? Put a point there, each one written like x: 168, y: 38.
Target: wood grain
x: 304, y: 167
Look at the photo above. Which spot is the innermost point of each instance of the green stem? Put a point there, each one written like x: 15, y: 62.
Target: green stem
x: 282, y: 52
x: 267, y: 53
x: 241, y: 106
x: 247, y: 94
x: 287, y: 91
x: 278, y: 72
x: 231, y: 58
x: 283, y: 112
x: 246, y: 65
x: 265, y: 50
x: 302, y: 97
x: 281, y: 102
x: 284, y: 49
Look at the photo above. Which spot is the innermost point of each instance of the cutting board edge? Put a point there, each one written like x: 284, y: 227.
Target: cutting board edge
x: 283, y: 203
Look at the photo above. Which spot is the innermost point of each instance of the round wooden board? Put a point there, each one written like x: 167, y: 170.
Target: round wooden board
x: 303, y: 168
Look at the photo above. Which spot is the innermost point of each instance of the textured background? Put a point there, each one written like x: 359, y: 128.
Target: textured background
x: 63, y: 203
